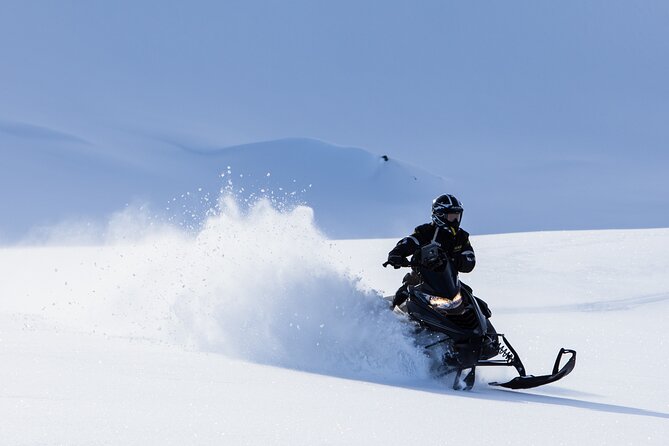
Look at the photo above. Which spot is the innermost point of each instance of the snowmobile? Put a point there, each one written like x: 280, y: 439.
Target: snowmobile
x: 454, y: 327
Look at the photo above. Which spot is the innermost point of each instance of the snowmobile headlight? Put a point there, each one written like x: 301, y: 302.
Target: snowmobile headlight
x: 439, y: 302
x: 443, y: 303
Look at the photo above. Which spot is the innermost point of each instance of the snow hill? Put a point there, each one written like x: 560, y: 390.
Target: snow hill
x: 81, y: 173
x: 258, y: 329
x: 50, y: 177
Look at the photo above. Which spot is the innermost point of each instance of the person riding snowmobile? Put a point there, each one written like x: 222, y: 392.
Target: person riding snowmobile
x: 450, y: 323
x: 445, y: 230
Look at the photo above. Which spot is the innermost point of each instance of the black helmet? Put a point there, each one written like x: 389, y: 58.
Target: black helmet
x: 447, y: 211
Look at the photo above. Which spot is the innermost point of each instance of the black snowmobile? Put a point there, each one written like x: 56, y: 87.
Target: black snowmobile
x: 454, y: 327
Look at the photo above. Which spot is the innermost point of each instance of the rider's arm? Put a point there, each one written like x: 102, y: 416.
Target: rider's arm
x: 405, y: 247
x: 408, y: 245
x: 465, y: 259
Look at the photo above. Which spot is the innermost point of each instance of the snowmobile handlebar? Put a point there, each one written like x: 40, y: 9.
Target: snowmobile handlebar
x: 431, y: 255
x: 405, y: 264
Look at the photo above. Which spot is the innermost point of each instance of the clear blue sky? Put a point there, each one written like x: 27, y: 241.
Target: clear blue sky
x: 498, y: 95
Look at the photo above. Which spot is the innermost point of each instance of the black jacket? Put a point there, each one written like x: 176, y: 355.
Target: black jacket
x: 455, y: 244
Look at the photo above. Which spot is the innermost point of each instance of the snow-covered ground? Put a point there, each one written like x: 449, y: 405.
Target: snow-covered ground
x: 260, y: 330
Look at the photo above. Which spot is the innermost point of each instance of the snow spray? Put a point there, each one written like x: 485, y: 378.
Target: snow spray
x: 254, y: 283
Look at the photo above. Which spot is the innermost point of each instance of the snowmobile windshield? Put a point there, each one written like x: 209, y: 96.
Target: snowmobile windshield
x: 442, y: 283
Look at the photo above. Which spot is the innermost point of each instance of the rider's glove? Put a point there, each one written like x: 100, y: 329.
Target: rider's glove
x: 396, y: 260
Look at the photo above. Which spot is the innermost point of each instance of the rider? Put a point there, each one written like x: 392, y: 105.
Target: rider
x: 445, y: 230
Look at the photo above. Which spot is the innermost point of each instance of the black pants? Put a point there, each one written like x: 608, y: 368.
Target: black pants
x: 402, y: 292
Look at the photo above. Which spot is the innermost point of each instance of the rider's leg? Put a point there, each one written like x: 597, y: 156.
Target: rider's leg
x: 402, y: 292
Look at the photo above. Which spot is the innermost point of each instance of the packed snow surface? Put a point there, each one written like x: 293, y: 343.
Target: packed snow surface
x: 258, y: 329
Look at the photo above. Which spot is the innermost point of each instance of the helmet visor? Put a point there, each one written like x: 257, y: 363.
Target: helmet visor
x: 453, y: 217
x: 448, y: 215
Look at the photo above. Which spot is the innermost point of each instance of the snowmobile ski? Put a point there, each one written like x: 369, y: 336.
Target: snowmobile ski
x: 530, y: 381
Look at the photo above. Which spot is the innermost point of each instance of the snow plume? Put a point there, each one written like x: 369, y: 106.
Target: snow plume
x: 254, y: 283
x: 267, y: 286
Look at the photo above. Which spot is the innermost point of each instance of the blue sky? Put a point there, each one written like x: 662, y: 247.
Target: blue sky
x: 496, y: 95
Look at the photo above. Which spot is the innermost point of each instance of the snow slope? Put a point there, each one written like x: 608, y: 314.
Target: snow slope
x: 80, y: 172
x: 49, y: 177
x: 260, y: 330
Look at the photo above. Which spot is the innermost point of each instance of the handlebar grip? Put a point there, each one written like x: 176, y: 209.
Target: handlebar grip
x: 405, y: 264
